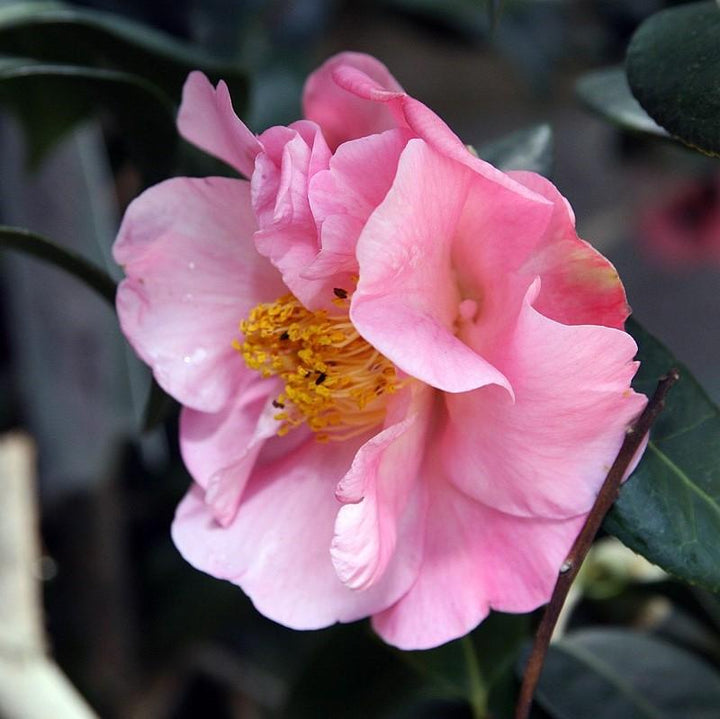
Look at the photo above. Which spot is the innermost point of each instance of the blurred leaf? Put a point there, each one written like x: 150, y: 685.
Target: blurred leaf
x: 50, y: 99
x: 158, y: 407
x: 669, y: 510
x: 494, y: 10
x: 614, y: 674
x: 353, y: 676
x: 61, y: 33
x: 673, y: 64
x: 15, y: 238
x: 607, y: 93
x: 528, y: 149
x: 478, y: 667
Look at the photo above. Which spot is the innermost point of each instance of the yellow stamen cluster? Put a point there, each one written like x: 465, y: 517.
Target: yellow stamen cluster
x: 334, y: 380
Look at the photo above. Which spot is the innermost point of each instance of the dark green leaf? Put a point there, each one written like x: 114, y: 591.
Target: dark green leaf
x: 529, y: 149
x: 479, y: 667
x: 352, y: 676
x: 673, y: 65
x: 61, y: 33
x: 614, y: 674
x: 158, y: 407
x: 669, y: 510
x: 607, y: 93
x: 15, y: 238
x: 50, y: 99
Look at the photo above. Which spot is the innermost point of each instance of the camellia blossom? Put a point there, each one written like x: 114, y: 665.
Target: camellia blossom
x: 403, y: 375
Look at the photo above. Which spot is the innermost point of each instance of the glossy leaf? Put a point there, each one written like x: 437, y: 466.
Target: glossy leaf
x: 673, y: 64
x: 50, y: 99
x: 29, y: 243
x: 61, y: 33
x: 669, y: 509
x: 607, y: 93
x: 615, y: 674
x: 528, y: 149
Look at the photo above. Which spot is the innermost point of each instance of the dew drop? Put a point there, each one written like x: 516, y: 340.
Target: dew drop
x: 191, y: 265
x: 196, y: 357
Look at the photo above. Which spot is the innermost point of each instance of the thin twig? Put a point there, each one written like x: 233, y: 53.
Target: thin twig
x: 605, y: 499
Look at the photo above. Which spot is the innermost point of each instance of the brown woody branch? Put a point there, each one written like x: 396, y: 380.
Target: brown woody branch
x: 605, y: 499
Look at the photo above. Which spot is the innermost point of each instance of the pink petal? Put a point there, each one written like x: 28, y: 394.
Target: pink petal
x: 220, y: 449
x: 277, y: 546
x: 380, y: 510
x: 207, y: 119
x: 288, y: 233
x: 579, y: 286
x: 499, y: 231
x: 344, y: 114
x: 192, y: 275
x: 475, y: 559
x: 407, y: 300
x: 547, y: 454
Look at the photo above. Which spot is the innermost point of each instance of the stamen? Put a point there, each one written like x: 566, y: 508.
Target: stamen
x: 334, y: 381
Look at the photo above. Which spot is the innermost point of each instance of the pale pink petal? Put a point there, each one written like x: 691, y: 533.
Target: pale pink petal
x: 359, y: 176
x: 547, y: 454
x: 407, y: 299
x: 207, y: 119
x: 381, y: 511
x: 344, y: 196
x: 344, y: 114
x: 192, y: 273
x: 288, y: 233
x: 579, y: 286
x: 220, y: 449
x: 475, y: 559
x: 499, y: 230
x: 277, y: 546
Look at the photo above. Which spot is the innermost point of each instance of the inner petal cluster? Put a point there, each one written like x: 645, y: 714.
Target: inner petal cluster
x: 334, y: 381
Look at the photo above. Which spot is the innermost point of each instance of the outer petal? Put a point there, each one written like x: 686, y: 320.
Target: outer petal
x: 546, y: 455
x: 381, y: 510
x: 344, y: 115
x: 416, y: 118
x: 220, y: 449
x: 579, y: 286
x: 475, y: 559
x: 276, y: 548
x: 207, y: 119
x: 407, y: 299
x: 192, y: 275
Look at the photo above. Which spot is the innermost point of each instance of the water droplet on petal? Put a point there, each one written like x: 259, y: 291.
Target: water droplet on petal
x: 196, y: 357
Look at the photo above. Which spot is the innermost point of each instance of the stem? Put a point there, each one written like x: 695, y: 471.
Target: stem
x: 571, y: 566
x: 478, y: 691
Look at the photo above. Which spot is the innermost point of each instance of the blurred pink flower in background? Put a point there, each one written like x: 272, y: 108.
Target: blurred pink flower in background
x: 682, y: 229
x: 404, y: 377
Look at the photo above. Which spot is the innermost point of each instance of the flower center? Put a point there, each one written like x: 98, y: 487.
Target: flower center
x: 335, y: 381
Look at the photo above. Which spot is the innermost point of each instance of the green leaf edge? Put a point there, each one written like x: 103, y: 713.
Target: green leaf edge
x: 30, y: 243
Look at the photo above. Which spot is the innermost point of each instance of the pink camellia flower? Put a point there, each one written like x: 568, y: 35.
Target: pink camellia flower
x: 404, y: 376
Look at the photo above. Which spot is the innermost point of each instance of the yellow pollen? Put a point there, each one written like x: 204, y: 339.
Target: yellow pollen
x: 334, y: 380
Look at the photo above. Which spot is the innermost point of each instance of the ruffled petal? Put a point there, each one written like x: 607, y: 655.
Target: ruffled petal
x: 207, y: 119
x: 220, y: 450
x: 579, y: 286
x: 547, y: 454
x: 407, y: 298
x: 288, y: 233
x: 475, y: 559
x: 342, y: 114
x: 277, y: 546
x: 192, y: 273
x: 380, y: 510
